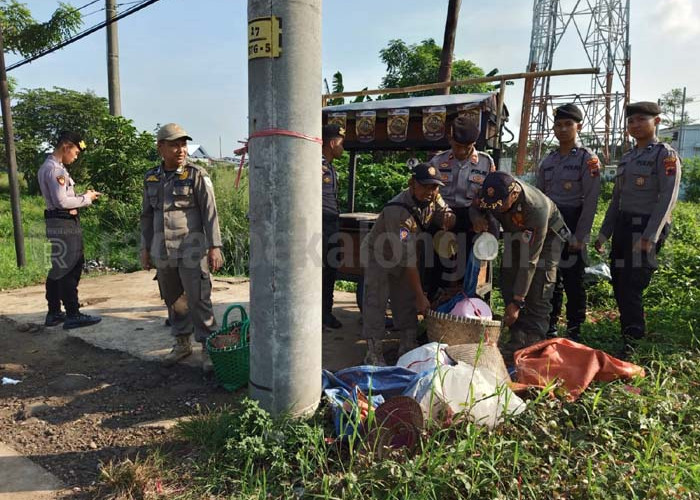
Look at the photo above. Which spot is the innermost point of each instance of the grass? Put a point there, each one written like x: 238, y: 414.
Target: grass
x: 633, y: 439
x: 620, y: 440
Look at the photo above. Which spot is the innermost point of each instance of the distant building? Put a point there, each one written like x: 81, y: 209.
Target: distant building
x: 197, y: 152
x: 691, y: 139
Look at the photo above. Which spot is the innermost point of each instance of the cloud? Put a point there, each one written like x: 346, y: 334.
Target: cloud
x: 679, y: 18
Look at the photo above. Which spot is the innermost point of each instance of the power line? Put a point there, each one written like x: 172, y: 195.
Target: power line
x: 79, y: 36
x: 87, y: 5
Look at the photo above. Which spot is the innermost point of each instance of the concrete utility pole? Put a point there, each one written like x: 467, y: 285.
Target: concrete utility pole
x: 680, y: 132
x: 11, y: 158
x: 284, y: 92
x: 448, y: 44
x: 114, y: 90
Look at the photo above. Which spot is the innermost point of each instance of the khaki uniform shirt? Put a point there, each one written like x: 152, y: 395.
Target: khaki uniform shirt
x: 531, y: 220
x: 179, y: 217
x: 58, y: 188
x: 646, y: 183
x: 395, y: 234
x: 573, y: 180
x: 463, y: 179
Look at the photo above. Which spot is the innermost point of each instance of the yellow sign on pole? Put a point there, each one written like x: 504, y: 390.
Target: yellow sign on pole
x: 264, y: 37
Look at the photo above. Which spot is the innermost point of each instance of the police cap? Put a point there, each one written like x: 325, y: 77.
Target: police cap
x: 568, y: 111
x: 496, y: 188
x: 426, y: 174
x: 333, y: 130
x: 464, y: 130
x: 73, y: 138
x: 643, y: 108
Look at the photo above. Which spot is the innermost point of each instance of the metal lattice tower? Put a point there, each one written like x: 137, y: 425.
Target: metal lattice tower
x: 602, y: 28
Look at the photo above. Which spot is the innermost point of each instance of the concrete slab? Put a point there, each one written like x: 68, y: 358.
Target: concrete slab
x: 22, y: 479
x: 133, y: 316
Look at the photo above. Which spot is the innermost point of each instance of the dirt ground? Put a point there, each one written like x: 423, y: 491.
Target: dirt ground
x: 86, y: 394
x: 78, y: 405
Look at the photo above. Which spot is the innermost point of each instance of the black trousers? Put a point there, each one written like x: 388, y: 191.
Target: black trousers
x: 65, y: 289
x: 330, y: 230
x: 570, y: 279
x: 632, y: 270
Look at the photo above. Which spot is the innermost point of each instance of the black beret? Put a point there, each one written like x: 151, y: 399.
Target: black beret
x: 72, y: 137
x: 333, y: 130
x: 496, y: 188
x: 427, y: 174
x: 643, y: 108
x: 568, y: 111
x: 464, y: 130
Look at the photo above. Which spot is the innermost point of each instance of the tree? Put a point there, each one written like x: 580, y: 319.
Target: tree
x: 40, y: 115
x: 671, y: 105
x: 418, y: 64
x: 22, y: 34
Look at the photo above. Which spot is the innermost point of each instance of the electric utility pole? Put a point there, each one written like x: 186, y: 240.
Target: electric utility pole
x: 114, y: 90
x: 448, y: 44
x: 284, y: 124
x: 11, y: 158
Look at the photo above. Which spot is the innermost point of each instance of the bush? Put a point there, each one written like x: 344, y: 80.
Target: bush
x: 690, y: 179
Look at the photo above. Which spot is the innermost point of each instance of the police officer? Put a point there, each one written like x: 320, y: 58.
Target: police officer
x: 332, y: 149
x: 462, y: 169
x: 570, y: 176
x: 180, y: 236
x: 390, y: 254
x: 64, y: 233
x: 534, y: 233
x: 639, y: 216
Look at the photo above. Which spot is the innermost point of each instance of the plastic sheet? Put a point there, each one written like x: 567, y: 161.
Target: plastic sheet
x: 425, y: 358
x: 465, y: 388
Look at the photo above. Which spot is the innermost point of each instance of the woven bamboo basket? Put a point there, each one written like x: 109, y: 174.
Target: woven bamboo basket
x: 481, y: 356
x: 455, y: 330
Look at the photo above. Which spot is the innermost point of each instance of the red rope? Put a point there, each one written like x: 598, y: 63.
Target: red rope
x: 267, y: 133
x: 289, y: 133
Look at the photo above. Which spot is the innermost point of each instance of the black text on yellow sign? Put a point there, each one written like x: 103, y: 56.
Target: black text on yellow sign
x: 264, y: 37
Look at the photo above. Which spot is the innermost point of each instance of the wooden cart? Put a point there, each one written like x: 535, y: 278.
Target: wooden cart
x: 409, y: 124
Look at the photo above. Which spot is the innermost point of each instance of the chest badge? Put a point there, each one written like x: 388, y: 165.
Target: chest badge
x: 152, y: 178
x: 326, y: 179
x: 640, y: 181
x: 568, y: 186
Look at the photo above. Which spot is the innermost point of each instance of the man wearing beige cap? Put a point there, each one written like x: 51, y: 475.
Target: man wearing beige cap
x: 180, y: 236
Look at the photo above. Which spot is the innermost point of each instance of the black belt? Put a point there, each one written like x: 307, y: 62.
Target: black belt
x: 59, y: 214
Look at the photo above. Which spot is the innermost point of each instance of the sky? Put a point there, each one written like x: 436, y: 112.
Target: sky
x: 185, y: 60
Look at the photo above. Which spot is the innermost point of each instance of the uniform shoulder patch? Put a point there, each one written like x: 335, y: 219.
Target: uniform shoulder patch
x: 593, y: 164
x: 61, y: 179
x: 670, y: 163
x: 403, y: 233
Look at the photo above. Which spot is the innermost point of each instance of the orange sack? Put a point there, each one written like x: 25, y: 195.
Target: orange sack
x: 574, y: 364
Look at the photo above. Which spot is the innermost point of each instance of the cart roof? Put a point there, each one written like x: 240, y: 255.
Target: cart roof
x: 413, y: 102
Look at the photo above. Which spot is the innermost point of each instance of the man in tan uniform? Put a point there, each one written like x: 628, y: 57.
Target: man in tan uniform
x: 639, y: 216
x: 180, y: 236
x: 534, y: 234
x: 390, y: 253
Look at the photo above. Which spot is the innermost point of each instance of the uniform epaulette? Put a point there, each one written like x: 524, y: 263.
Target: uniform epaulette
x: 666, y: 145
x: 484, y: 153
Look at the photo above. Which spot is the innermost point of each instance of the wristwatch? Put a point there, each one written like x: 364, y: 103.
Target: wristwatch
x: 519, y: 303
